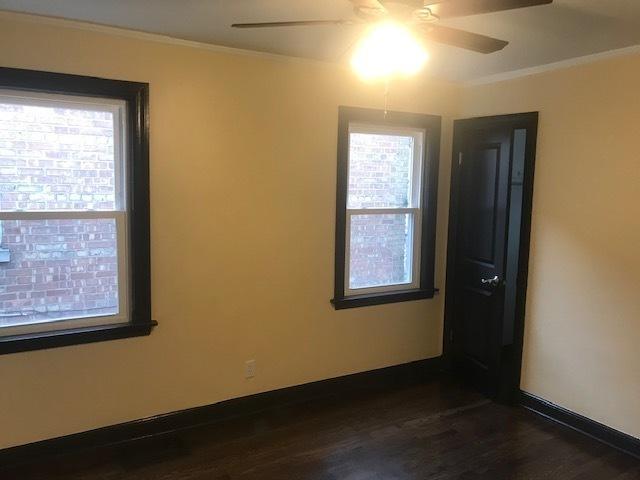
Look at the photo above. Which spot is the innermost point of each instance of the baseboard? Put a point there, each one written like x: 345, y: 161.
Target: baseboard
x: 396, y: 376
x: 598, y: 431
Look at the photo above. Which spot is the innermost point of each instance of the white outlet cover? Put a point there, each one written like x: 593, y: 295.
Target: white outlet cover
x: 250, y: 368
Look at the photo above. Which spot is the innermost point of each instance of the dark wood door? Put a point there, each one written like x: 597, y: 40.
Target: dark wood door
x: 478, y: 248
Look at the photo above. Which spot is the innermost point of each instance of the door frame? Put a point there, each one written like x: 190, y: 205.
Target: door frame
x: 510, y: 379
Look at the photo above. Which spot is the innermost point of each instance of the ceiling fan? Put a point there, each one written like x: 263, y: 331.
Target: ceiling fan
x: 422, y: 16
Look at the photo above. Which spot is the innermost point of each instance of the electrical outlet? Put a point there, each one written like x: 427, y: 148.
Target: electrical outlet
x: 249, y: 369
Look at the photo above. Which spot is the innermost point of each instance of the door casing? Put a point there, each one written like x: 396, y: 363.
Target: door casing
x: 509, y: 386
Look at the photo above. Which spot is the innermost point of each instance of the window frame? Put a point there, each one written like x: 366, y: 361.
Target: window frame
x: 376, y: 121
x: 135, y: 215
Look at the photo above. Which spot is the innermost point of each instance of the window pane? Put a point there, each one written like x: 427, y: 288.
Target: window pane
x: 380, y: 250
x: 58, y: 269
x: 54, y: 158
x: 379, y: 170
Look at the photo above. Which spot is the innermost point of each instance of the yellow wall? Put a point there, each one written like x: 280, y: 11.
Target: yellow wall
x: 243, y: 196
x: 243, y: 162
x: 582, y: 340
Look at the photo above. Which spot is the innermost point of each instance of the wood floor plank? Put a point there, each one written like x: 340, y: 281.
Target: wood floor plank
x: 439, y: 431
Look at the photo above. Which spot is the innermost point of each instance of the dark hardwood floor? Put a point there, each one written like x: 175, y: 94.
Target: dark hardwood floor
x: 435, y: 431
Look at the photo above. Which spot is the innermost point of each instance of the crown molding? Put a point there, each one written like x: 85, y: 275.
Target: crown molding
x: 168, y: 40
x: 150, y: 37
x: 16, y: 16
x: 549, y: 67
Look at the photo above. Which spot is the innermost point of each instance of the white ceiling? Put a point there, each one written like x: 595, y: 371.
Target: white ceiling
x: 538, y: 35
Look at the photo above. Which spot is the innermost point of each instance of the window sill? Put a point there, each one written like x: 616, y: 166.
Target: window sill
x: 382, y: 298
x: 76, y: 336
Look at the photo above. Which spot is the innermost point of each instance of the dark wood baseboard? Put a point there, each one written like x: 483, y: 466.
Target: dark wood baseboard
x: 598, y: 431
x: 396, y: 376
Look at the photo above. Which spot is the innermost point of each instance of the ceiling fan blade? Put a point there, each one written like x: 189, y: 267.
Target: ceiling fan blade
x: 368, y: 4
x: 461, y: 8
x: 462, y: 39
x: 410, y: 3
x: 369, y: 10
x: 299, y: 23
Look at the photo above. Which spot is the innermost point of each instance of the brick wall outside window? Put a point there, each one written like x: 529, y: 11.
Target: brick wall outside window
x: 379, y: 177
x: 379, y: 170
x: 57, y: 159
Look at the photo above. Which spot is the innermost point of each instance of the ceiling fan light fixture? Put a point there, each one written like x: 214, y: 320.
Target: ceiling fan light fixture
x: 389, y: 49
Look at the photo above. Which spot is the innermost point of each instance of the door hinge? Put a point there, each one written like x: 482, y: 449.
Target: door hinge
x: 459, y: 158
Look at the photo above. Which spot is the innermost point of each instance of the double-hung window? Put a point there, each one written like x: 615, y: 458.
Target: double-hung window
x: 73, y: 210
x: 385, y: 230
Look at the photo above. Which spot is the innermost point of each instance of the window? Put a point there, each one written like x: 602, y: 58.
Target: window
x: 74, y: 253
x: 386, y: 206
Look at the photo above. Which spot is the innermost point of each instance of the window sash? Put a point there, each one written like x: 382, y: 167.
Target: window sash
x: 415, y: 215
x: 118, y: 109
x: 122, y: 249
x: 414, y: 211
x: 415, y: 182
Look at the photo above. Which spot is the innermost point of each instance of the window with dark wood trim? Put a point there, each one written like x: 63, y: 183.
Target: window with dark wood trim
x: 385, y: 206
x: 74, y: 209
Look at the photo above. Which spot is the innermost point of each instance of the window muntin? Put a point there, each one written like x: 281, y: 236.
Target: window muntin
x: 63, y: 207
x: 384, y: 210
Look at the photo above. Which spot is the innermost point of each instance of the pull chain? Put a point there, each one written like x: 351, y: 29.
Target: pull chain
x: 386, y: 97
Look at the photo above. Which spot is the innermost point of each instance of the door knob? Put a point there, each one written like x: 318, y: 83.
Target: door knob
x: 492, y: 282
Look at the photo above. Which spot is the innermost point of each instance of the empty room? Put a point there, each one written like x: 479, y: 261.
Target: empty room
x: 325, y: 240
